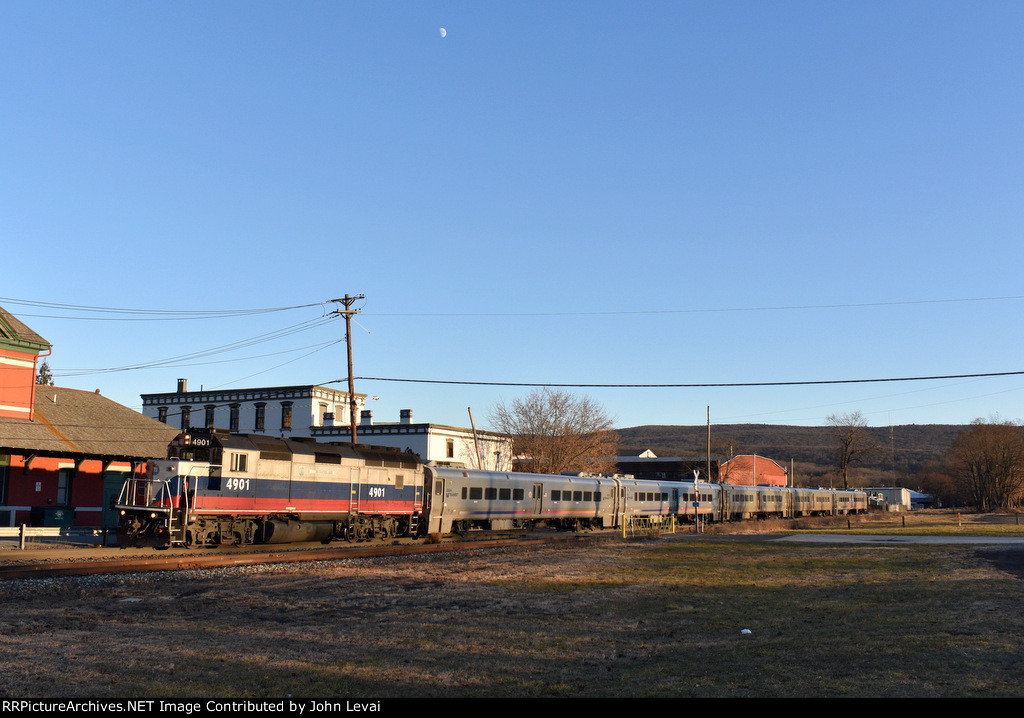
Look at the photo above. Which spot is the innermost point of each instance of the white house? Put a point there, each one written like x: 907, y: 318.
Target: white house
x: 275, y: 410
x: 433, y: 442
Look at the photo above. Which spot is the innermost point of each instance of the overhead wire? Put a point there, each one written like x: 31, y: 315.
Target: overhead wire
x: 241, y: 344
x: 817, y: 382
x: 125, y: 314
x: 711, y: 310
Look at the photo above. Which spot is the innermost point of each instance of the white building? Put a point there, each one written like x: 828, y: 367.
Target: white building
x: 890, y: 498
x: 433, y: 442
x: 275, y: 410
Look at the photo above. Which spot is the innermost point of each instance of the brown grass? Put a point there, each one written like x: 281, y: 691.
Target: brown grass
x: 620, y: 618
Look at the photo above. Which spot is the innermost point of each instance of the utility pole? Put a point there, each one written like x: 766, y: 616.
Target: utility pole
x: 709, y: 443
x: 347, y: 313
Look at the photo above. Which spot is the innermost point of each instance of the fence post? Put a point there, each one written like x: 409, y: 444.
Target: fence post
x: 21, y: 538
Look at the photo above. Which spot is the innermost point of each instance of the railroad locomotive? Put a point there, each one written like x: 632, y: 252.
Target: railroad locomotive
x: 218, y: 488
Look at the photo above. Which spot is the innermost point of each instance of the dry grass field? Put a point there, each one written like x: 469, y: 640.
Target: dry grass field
x: 623, y: 618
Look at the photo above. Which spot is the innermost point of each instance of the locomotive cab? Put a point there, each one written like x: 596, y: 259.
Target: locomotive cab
x: 153, y: 508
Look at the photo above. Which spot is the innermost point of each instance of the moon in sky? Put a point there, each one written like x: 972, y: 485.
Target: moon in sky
x: 443, y: 32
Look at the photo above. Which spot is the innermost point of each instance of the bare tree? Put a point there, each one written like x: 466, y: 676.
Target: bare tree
x: 987, y: 464
x: 854, y: 441
x: 555, y: 431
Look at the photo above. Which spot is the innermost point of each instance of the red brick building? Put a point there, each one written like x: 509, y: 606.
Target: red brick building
x: 64, y: 453
x: 753, y: 470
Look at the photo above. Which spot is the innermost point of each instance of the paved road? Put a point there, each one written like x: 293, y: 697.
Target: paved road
x: 882, y: 538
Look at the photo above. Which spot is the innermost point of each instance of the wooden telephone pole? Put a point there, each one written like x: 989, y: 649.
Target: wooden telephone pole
x: 347, y: 313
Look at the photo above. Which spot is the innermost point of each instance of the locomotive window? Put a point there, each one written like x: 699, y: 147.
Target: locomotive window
x: 490, y: 493
x: 556, y: 495
x: 476, y: 493
x: 238, y: 462
x: 504, y: 494
x: 399, y: 481
x: 518, y: 494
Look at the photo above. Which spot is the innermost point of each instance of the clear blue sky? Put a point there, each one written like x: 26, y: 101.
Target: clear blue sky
x: 569, y: 192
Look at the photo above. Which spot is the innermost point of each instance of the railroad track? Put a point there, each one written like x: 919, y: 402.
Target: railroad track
x: 198, y: 560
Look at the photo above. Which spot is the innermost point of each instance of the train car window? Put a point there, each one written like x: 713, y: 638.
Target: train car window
x: 518, y: 494
x: 464, y: 490
x: 588, y: 495
x: 577, y: 495
x: 597, y: 496
x: 490, y: 493
x: 556, y: 495
x: 437, y: 489
x: 475, y: 493
x: 504, y: 494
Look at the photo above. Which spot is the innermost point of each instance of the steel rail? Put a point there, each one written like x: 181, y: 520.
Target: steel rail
x: 198, y: 561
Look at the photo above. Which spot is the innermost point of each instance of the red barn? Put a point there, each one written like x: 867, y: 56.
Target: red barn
x: 64, y: 453
x: 753, y: 470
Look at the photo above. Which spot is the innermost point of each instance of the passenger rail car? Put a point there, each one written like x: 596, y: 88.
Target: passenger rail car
x: 460, y: 500
x: 216, y: 488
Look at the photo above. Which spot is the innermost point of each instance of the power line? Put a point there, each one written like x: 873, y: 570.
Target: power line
x: 125, y: 314
x: 697, y: 311
x: 689, y: 386
x: 175, y: 361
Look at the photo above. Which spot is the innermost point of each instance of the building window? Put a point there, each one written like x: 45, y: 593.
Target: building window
x: 450, y: 448
x: 64, y: 478
x: 186, y: 417
x: 161, y: 414
x: 209, y: 415
x: 261, y: 417
x: 323, y: 410
x: 233, y: 425
x: 286, y: 416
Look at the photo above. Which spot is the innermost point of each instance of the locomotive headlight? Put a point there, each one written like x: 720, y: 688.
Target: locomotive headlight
x: 152, y: 516
x: 123, y: 512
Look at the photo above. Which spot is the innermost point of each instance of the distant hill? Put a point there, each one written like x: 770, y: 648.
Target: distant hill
x: 902, y: 451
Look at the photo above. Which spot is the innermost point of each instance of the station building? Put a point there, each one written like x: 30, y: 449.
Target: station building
x: 64, y: 453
